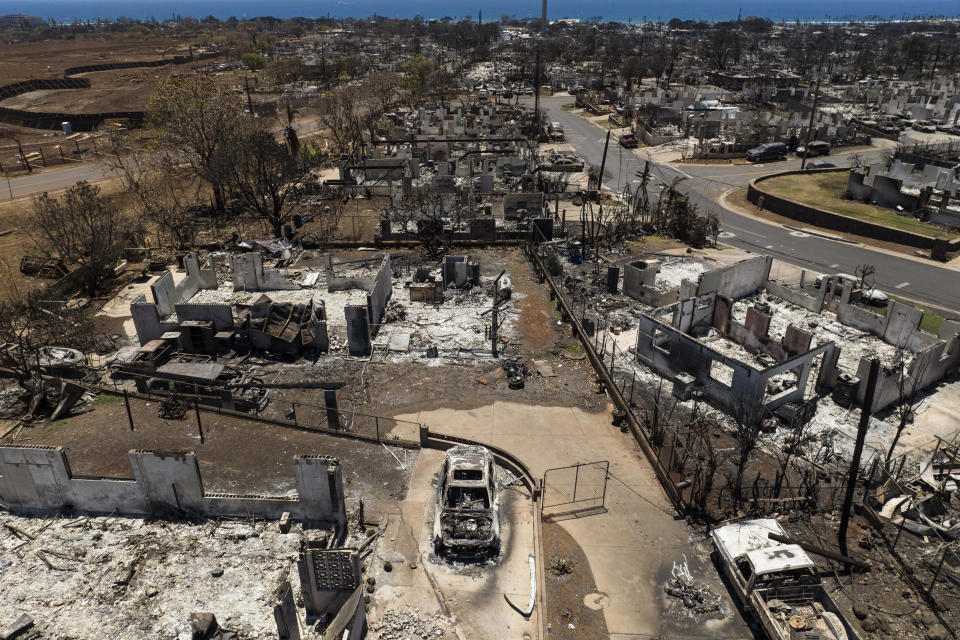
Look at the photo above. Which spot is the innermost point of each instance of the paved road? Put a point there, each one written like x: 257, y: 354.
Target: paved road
x: 922, y: 281
x: 916, y: 279
x: 52, y: 179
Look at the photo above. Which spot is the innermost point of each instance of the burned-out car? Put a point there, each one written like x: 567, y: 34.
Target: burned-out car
x: 467, y: 520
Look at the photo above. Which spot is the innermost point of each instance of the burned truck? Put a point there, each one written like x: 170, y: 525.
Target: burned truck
x: 467, y: 521
x: 778, y: 583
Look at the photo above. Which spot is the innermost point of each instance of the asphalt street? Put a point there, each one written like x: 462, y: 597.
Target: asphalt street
x: 920, y: 280
x: 52, y: 179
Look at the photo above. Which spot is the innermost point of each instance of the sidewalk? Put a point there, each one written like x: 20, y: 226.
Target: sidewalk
x: 631, y: 547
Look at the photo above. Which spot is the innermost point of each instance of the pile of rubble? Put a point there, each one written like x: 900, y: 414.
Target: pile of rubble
x: 697, y: 598
x: 411, y: 625
x: 129, y: 578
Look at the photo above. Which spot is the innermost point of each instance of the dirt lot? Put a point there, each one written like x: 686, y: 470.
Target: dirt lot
x: 122, y: 90
x: 26, y: 60
x: 97, y: 443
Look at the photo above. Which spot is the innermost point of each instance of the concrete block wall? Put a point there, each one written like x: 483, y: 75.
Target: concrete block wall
x: 358, y: 330
x: 737, y: 280
x: 678, y: 353
x: 38, y: 478
x: 379, y: 294
x: 146, y: 320
x: 797, y: 296
x: 927, y: 368
x: 249, y: 275
x: 220, y: 314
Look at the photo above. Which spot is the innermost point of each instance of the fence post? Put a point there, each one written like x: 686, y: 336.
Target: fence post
x: 576, y: 479
x: 196, y: 407
x: 376, y: 420
x: 126, y: 400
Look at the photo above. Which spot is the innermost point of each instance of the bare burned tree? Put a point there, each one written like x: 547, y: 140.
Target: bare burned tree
x: 163, y: 193
x: 865, y: 274
x: 6, y: 133
x: 908, y: 396
x: 288, y: 113
x: 747, y: 434
x: 266, y: 176
x: 86, y: 229
x: 29, y: 325
x: 433, y: 215
x: 337, y: 114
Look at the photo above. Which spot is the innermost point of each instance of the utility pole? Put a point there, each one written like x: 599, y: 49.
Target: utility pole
x: 536, y: 93
x: 493, y: 316
x: 603, y: 161
x: 246, y: 81
x: 865, y: 409
x: 543, y: 20
x: 813, y: 111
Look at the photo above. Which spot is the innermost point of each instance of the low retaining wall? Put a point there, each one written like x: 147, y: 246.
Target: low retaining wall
x: 38, y: 478
x: 836, y: 221
x: 79, y: 121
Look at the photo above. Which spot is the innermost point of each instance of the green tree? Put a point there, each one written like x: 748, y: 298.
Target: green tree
x: 253, y: 61
x: 416, y: 70
x: 197, y: 121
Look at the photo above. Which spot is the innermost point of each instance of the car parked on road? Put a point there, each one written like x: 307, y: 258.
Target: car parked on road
x: 815, y: 148
x: 629, y: 141
x: 820, y: 164
x: 767, y: 151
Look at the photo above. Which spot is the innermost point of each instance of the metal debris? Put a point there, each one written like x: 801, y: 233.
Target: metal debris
x: 696, y: 597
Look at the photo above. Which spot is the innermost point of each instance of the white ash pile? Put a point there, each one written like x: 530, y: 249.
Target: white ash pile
x: 128, y: 578
x: 411, y: 625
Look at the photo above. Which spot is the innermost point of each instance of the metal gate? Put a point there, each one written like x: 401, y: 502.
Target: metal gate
x: 577, y: 488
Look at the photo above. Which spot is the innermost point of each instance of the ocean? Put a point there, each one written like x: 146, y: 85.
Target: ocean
x: 620, y: 10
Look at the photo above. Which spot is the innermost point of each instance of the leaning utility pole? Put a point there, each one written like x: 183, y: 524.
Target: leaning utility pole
x: 494, y: 319
x: 813, y: 111
x: 536, y: 95
x: 603, y: 161
x: 865, y: 409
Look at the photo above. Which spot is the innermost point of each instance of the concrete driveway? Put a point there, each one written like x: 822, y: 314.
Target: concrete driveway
x: 466, y: 597
x: 631, y: 546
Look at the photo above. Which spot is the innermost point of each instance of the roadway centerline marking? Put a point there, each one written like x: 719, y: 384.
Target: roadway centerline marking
x: 769, y: 246
x: 834, y: 266
x: 901, y: 285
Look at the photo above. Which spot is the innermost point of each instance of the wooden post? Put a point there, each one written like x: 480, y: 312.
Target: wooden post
x: 196, y: 407
x: 858, y: 451
x: 126, y: 400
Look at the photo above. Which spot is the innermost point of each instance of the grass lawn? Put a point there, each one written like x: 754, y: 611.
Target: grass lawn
x: 825, y: 191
